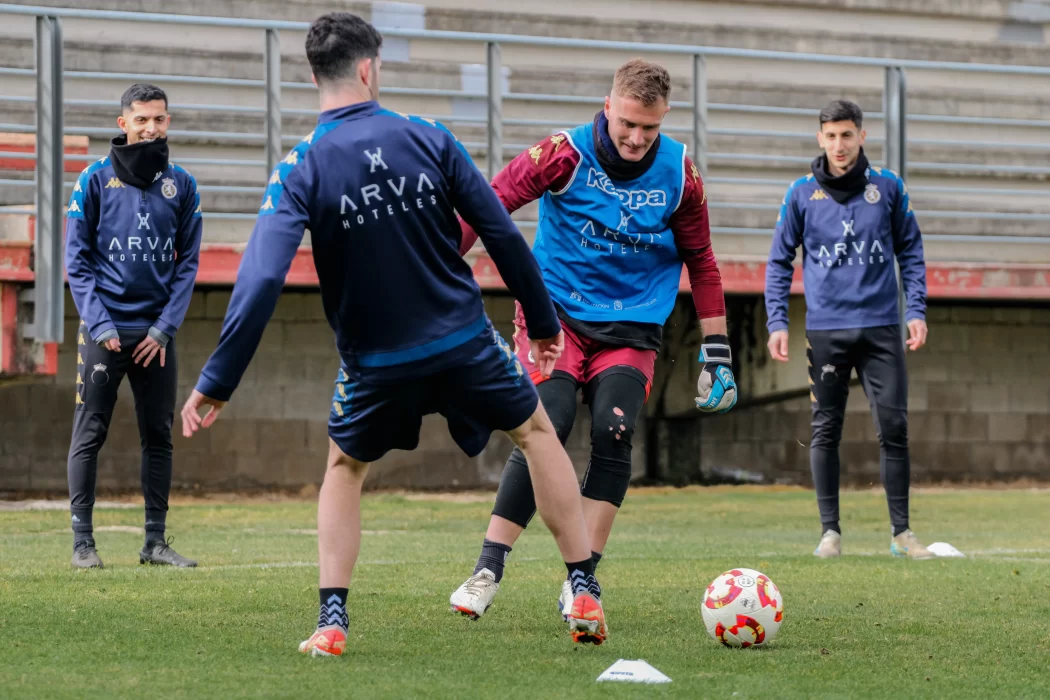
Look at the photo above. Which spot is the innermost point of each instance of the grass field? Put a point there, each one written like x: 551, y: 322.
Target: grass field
x: 864, y: 626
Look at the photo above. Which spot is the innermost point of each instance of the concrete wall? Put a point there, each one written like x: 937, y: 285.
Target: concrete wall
x: 980, y: 409
x: 273, y: 433
x: 979, y: 404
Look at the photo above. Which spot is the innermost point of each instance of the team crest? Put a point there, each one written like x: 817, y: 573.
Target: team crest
x: 99, y: 376
x: 167, y: 188
x: 871, y: 193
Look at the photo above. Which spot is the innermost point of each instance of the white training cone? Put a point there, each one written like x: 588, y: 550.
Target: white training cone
x: 943, y: 549
x: 633, y: 671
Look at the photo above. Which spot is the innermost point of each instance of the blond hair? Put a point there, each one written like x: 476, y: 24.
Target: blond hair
x: 643, y: 81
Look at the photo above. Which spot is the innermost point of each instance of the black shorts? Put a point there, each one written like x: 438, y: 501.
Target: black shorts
x: 486, y: 393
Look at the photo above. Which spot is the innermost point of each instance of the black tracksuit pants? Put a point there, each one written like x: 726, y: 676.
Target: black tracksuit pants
x: 878, y: 356
x: 99, y: 375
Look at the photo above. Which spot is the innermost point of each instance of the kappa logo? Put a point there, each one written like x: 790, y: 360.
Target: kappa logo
x: 114, y: 183
x: 818, y: 195
x: 74, y: 207
x: 557, y: 140
x: 632, y: 199
x: 535, y: 152
x: 375, y: 160
x: 268, y: 204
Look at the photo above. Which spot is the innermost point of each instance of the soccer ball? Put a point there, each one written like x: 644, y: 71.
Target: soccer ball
x: 742, y: 608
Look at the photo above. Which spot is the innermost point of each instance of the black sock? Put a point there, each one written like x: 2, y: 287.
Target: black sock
x: 493, y: 557
x: 155, y: 520
x: 83, y: 530
x: 333, y: 608
x: 833, y: 526
x: 595, y: 558
x: 581, y: 576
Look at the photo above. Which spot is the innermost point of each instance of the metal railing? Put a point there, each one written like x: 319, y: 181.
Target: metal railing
x: 50, y: 126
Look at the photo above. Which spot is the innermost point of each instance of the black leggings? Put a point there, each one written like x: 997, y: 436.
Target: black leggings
x: 616, y: 397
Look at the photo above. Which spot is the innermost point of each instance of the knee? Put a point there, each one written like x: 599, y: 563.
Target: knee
x: 612, y: 430
x: 892, y: 427
x: 343, y: 466
x: 827, y: 430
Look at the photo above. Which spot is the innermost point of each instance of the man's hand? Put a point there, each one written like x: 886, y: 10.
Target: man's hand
x: 113, y: 345
x: 545, y: 352
x: 146, y: 351
x: 778, y: 345
x: 191, y: 420
x: 916, y: 333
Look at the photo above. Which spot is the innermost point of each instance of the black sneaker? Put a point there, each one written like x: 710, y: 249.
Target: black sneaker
x: 161, y: 553
x: 85, y: 556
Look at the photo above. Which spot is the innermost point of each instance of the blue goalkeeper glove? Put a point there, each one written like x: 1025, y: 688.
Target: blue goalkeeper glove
x: 716, y: 385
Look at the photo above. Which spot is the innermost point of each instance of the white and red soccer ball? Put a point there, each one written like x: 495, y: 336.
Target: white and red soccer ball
x: 742, y: 608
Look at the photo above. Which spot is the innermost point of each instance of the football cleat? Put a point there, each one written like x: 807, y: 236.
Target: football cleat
x: 587, y: 620
x: 830, y: 545
x: 565, y: 600
x: 325, y: 641
x: 162, y: 554
x: 475, y: 596
x: 85, y: 556
x: 907, y: 545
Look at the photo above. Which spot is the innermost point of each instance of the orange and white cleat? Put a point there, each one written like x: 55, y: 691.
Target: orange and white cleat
x: 587, y: 620
x: 326, y: 641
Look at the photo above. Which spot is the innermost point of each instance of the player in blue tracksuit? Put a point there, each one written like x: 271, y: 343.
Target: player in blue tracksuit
x: 133, y: 233
x: 852, y: 220
x: 379, y: 192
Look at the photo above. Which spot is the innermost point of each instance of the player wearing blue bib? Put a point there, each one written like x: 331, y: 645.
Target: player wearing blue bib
x: 622, y: 209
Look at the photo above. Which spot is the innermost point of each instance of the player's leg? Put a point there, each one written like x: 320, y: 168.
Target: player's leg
x: 99, y: 372
x: 154, y: 387
x: 515, y: 504
x: 883, y: 373
x: 338, y: 544
x: 559, y: 503
x: 366, y: 421
x: 828, y: 356
x: 492, y: 392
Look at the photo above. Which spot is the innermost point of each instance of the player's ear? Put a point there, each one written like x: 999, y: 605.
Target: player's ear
x: 364, y: 71
x: 863, y: 135
x: 606, y: 106
x: 313, y: 79
x: 122, y: 123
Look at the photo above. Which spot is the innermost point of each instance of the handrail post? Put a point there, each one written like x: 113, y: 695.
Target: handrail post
x: 273, y: 99
x: 700, y: 113
x: 49, y: 290
x: 494, y: 157
x: 894, y: 101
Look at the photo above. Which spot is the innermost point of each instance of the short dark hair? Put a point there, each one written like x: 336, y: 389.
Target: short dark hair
x: 337, y: 42
x: 842, y: 111
x: 142, y: 92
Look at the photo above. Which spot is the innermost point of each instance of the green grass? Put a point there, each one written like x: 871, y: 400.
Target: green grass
x: 864, y: 626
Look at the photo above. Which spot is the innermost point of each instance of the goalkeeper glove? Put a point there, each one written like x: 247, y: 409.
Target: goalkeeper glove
x: 716, y: 385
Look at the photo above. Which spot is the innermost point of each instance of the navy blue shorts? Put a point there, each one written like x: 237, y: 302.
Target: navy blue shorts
x: 486, y: 393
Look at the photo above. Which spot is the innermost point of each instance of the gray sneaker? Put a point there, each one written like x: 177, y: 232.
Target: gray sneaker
x: 162, y: 554
x: 85, y: 556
